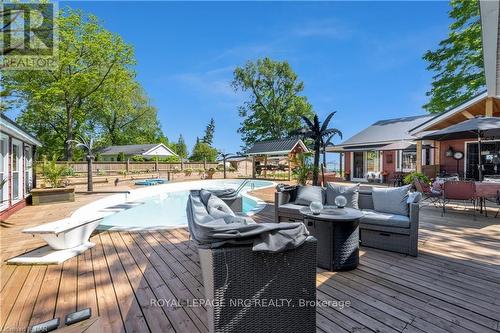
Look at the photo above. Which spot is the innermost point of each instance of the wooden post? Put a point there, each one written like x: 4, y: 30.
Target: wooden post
x: 289, y: 168
x: 182, y: 163
x: 253, y: 166
x: 127, y: 165
x: 156, y: 164
x: 341, y: 164
x: 419, y: 156
x: 489, y: 107
x: 265, y: 166
x: 437, y: 152
x: 205, y: 163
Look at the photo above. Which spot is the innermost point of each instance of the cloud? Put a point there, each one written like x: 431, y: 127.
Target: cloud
x: 210, y: 84
x: 329, y: 28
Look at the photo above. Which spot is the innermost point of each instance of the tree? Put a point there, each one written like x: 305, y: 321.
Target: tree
x: 274, y: 108
x: 202, y: 152
x: 180, y: 147
x: 56, y: 101
x: 458, y: 61
x: 208, y: 138
x: 318, y: 132
x: 122, y: 114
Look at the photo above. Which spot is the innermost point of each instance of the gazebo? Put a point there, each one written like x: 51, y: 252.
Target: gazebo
x: 274, y: 159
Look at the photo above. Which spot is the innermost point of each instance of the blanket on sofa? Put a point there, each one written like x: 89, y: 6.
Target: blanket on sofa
x: 222, y: 227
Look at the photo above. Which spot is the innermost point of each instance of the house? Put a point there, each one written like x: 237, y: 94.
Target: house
x: 17, y: 153
x: 275, y: 155
x: 385, y: 147
x: 394, y: 145
x: 148, y: 151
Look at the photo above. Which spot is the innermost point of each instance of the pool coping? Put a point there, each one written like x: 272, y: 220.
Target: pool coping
x: 92, y: 209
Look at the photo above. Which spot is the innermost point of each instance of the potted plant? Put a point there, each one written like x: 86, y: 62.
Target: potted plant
x: 210, y: 173
x: 54, y: 175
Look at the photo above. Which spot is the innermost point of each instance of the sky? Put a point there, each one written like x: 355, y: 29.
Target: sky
x: 361, y: 59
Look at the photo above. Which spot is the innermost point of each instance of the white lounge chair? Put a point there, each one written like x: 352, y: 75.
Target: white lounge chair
x: 66, y: 233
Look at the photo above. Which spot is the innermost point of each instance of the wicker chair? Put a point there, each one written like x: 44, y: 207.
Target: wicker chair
x: 238, y: 282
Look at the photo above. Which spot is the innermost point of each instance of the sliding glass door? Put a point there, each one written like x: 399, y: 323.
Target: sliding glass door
x: 490, y: 159
x: 358, y: 165
x: 17, y: 188
x: 4, y: 169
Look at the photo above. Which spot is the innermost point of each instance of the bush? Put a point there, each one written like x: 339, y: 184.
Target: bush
x: 53, y: 172
x: 409, y: 178
x: 68, y: 172
x: 137, y: 158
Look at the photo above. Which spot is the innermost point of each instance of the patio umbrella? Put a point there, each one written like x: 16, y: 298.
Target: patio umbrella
x: 479, y: 128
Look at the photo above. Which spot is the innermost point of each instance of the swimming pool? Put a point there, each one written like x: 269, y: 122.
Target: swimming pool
x: 161, y: 206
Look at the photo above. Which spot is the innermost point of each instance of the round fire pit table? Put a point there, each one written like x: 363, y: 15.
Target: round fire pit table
x: 337, y: 232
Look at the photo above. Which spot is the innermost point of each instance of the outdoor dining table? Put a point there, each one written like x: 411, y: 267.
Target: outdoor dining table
x: 486, y: 190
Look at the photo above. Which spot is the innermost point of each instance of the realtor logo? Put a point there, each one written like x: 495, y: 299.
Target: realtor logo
x: 28, y: 37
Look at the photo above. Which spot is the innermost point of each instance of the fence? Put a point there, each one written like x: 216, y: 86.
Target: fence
x: 112, y: 168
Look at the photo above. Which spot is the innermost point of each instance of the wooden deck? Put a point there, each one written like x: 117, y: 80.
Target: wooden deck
x: 453, y: 286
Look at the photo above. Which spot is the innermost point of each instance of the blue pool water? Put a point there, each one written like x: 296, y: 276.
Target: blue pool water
x: 168, y: 208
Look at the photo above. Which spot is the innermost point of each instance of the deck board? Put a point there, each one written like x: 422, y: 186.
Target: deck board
x: 452, y: 286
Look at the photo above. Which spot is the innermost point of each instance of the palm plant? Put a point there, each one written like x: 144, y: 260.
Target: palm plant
x: 224, y: 156
x: 88, y: 147
x: 318, y: 132
x: 303, y: 169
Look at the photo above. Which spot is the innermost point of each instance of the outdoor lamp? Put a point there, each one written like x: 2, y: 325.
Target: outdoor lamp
x: 340, y: 201
x: 316, y: 207
x: 449, y: 152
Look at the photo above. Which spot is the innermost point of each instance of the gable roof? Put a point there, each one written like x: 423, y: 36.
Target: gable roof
x: 133, y: 149
x: 12, y: 128
x: 448, y: 113
x: 282, y: 146
x: 384, y: 132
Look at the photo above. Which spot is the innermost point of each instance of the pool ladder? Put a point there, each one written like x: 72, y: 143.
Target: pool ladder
x: 242, y: 185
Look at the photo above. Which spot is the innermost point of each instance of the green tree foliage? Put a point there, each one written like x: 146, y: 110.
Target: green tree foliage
x: 93, y: 90
x: 458, y: 61
x: 180, y: 147
x: 208, y: 138
x: 274, y: 107
x: 202, y: 151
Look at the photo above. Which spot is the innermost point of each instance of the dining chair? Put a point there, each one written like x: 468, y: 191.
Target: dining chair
x: 459, y: 191
x: 428, y: 193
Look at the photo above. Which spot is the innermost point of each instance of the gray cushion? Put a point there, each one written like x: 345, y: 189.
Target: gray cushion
x: 308, y: 194
x: 391, y: 200
x: 218, y: 208
x: 290, y: 208
x: 384, y: 219
x: 351, y: 193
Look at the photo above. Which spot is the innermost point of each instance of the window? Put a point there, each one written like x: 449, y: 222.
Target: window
x: 372, y: 161
x: 409, y: 161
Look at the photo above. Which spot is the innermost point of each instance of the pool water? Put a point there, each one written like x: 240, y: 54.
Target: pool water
x: 167, y: 209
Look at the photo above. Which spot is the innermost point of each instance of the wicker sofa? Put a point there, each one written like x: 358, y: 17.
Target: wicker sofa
x: 389, y: 232
x: 238, y: 282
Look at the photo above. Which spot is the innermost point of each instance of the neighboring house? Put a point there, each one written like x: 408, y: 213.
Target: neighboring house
x: 17, y: 151
x: 148, y: 151
x: 393, y: 145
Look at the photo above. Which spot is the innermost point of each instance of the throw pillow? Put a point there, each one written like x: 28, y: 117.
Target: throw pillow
x: 391, y: 200
x: 308, y: 194
x: 351, y: 193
